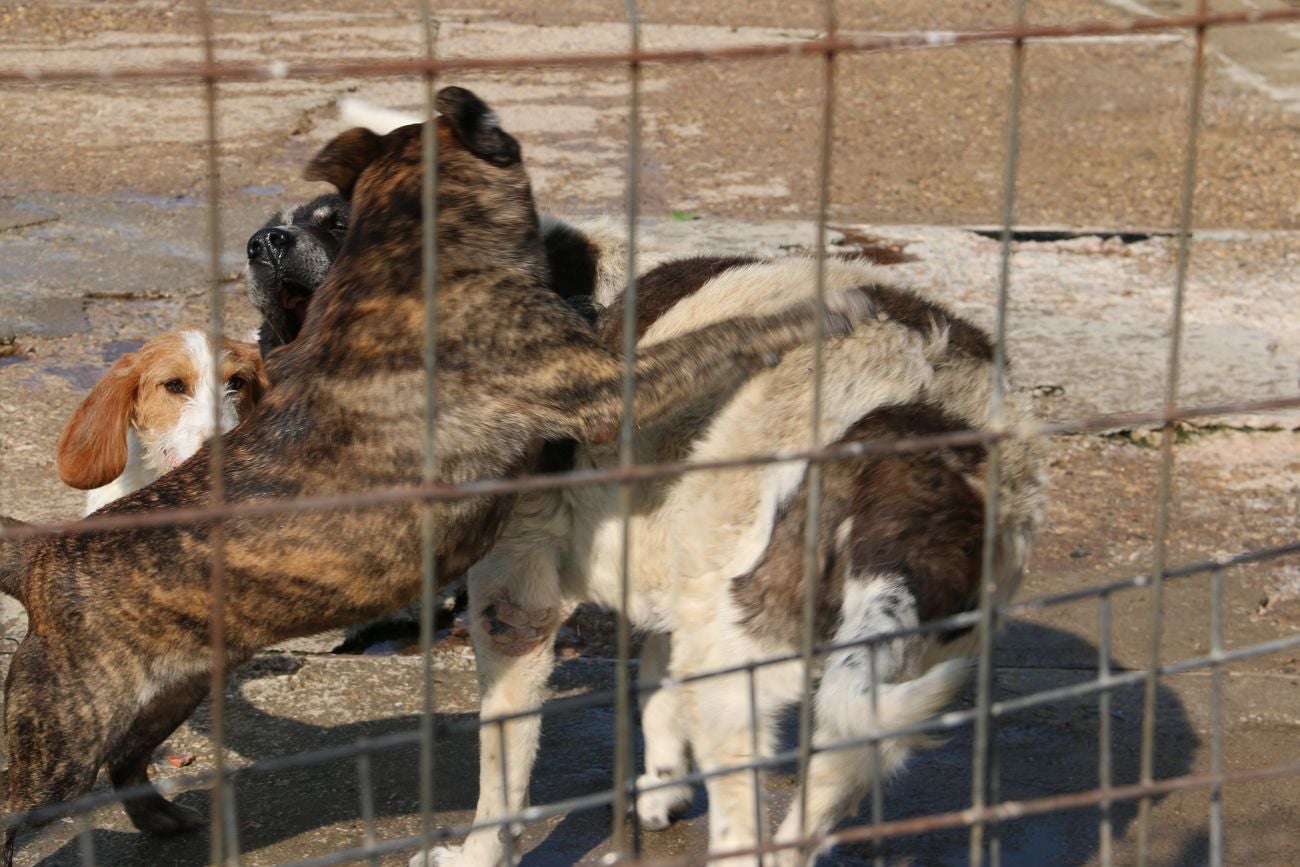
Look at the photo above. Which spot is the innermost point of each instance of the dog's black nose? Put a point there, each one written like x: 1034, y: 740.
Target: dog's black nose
x: 268, y: 243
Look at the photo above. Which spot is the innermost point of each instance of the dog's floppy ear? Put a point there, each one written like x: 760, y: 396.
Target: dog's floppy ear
x: 477, y: 126
x: 343, y: 160
x: 248, y: 363
x: 92, y: 449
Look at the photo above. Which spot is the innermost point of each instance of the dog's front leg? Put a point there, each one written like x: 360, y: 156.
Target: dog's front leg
x: 513, y: 626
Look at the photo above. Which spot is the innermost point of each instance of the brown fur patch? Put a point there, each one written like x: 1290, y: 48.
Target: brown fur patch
x: 913, y: 515
x: 920, y: 314
x: 659, y: 290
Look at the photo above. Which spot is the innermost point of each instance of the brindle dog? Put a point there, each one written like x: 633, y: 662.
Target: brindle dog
x: 117, y: 654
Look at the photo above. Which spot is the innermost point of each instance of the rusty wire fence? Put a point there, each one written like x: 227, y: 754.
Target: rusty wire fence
x: 986, y: 810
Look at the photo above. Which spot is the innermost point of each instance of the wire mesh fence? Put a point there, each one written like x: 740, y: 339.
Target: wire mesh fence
x: 987, y: 809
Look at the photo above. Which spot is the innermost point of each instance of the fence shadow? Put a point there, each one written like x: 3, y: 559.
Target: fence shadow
x: 1042, y: 751
x: 321, y: 799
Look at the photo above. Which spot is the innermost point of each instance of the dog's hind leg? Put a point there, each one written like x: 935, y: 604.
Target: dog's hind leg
x: 852, y: 706
x: 56, y: 722
x: 128, y: 760
x: 665, y: 740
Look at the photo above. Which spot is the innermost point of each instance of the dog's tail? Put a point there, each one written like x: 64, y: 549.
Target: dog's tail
x: 13, y: 561
x: 377, y: 119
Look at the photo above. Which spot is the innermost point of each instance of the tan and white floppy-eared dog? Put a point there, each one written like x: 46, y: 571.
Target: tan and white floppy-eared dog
x: 718, y: 557
x: 152, y: 411
x: 116, y: 655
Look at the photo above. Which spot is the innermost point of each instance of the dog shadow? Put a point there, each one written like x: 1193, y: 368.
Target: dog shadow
x: 1040, y: 752
x: 1043, y: 751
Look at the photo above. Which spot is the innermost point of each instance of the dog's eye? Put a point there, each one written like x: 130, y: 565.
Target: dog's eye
x: 175, y: 386
x: 339, y: 223
x: 235, y: 383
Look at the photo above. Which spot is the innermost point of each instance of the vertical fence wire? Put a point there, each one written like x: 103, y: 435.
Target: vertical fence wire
x: 623, y: 740
x: 508, y: 832
x: 1216, y: 717
x: 365, y: 786
x: 1105, y: 821
x: 755, y: 750
x: 429, y: 471
x: 983, y: 765
x: 85, y: 840
x: 877, y: 782
x: 223, y: 805
x: 1168, y: 436
x: 812, y: 586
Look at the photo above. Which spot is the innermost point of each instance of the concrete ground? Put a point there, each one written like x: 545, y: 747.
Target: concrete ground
x: 102, y: 246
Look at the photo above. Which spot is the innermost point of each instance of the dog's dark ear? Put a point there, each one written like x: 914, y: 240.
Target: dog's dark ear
x: 343, y: 160
x: 477, y: 126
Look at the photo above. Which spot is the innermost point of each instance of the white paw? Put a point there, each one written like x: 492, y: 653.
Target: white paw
x: 439, y: 856
x: 657, y: 808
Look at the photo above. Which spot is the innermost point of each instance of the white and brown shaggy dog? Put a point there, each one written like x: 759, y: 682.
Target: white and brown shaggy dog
x: 152, y: 411
x: 717, y: 557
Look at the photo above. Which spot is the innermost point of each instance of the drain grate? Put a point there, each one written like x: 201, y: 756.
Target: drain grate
x: 1128, y: 236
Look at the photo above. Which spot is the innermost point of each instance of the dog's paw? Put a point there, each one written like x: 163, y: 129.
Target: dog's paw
x: 438, y: 856
x: 161, y: 818
x: 657, y: 808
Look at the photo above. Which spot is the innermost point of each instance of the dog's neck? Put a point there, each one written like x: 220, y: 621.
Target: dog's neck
x: 134, y: 476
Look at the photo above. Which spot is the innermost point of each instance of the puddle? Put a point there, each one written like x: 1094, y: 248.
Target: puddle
x: 115, y: 349
x: 24, y: 312
x: 178, y: 201
x: 83, y: 376
x: 271, y: 190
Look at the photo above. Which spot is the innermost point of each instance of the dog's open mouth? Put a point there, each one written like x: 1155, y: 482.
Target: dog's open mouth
x: 295, y: 299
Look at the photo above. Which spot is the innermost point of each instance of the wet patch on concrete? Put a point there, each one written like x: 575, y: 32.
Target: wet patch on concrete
x: 19, y: 215
x: 115, y: 349
x: 23, y: 312
x: 79, y: 376
x: 165, y: 202
x: 267, y: 190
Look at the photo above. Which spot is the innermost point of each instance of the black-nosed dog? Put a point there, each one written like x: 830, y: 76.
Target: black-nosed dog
x: 116, y: 655
x: 287, y: 261
x: 289, y: 256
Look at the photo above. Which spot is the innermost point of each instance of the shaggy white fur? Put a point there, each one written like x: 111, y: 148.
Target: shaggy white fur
x: 692, y: 535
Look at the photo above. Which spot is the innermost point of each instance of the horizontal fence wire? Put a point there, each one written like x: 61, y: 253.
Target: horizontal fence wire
x: 1121, y: 678
x: 842, y: 44
x: 841, y: 451
x: 1004, y: 812
x: 833, y: 43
